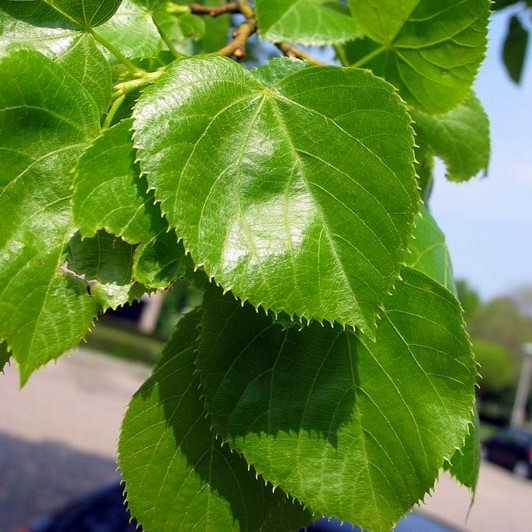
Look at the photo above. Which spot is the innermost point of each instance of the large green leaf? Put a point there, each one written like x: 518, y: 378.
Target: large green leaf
x: 109, y: 194
x: 87, y: 64
x: 305, y: 21
x: 132, y: 31
x: 86, y: 13
x: 178, y: 477
x: 46, y: 118
x: 357, y: 429
x: 299, y: 197
x: 428, y: 251
x: 433, y: 47
x: 461, y: 138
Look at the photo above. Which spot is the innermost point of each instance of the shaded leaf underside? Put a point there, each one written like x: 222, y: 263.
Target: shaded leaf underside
x: 177, y: 475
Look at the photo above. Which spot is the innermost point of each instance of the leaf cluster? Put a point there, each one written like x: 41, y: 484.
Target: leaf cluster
x: 328, y: 371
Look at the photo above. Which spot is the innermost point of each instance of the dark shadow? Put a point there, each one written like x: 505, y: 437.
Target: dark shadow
x: 38, y: 478
x: 269, y: 378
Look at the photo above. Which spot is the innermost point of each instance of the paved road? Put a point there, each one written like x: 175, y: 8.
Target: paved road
x: 58, y: 437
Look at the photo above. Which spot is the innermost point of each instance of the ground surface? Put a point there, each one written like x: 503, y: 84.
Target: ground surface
x: 58, y: 437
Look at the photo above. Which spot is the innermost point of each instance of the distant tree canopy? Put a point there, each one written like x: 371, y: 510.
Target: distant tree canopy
x: 496, y: 367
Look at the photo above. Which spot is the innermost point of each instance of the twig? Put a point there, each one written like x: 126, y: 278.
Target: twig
x: 292, y: 51
x: 240, y: 36
x: 214, y: 11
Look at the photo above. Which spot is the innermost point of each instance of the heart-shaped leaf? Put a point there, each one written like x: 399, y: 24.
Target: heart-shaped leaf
x: 178, y: 477
x: 433, y: 47
x: 357, y: 429
x: 298, y: 196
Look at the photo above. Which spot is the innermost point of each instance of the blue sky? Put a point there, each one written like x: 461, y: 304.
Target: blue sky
x: 488, y: 221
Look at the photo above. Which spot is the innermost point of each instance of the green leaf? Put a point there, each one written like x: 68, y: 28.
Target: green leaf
x: 35, y: 25
x: 86, y: 13
x: 298, y: 197
x: 105, y: 263
x: 87, y: 64
x: 514, y: 49
x: 103, y: 257
x: 132, y: 31
x: 216, y: 30
x: 429, y: 253
x: 160, y: 261
x: 357, y: 429
x: 461, y: 138
x: 433, y: 47
x: 178, y: 477
x: 305, y: 21
x: 465, y: 464
x: 109, y: 193
x: 276, y: 69
x: 46, y: 119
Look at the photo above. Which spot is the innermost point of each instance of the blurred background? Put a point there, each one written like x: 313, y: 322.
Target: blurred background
x: 58, y: 435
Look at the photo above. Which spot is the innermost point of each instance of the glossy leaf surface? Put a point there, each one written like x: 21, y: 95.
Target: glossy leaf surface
x: 355, y: 428
x: 305, y: 21
x: 132, y: 31
x: 41, y: 139
x: 428, y: 251
x: 86, y: 13
x: 434, y: 47
x: 87, y: 64
x: 177, y: 475
x: 298, y: 197
x: 461, y: 138
x: 110, y: 194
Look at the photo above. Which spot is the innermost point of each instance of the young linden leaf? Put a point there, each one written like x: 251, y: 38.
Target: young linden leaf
x: 160, y: 261
x: 433, y: 47
x: 88, y: 65
x: 178, y: 477
x: 298, y: 197
x: 357, y: 429
x: 278, y: 68
x: 428, y: 251
x: 86, y: 13
x: 306, y: 21
x: 216, y: 30
x: 460, y: 137
x: 465, y: 464
x: 103, y: 257
x: 132, y: 31
x: 109, y: 194
x: 46, y: 119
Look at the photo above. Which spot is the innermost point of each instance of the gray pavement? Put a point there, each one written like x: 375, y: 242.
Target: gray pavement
x: 58, y: 437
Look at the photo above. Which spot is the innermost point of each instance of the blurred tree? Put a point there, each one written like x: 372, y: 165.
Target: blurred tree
x: 496, y: 366
x: 500, y: 320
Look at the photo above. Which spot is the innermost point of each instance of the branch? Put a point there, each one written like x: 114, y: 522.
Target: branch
x: 292, y: 51
x: 214, y: 11
x: 240, y: 36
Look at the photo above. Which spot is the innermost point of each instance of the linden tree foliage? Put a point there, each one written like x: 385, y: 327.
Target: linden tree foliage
x: 328, y: 371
